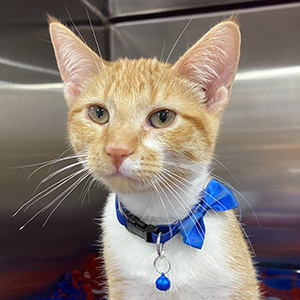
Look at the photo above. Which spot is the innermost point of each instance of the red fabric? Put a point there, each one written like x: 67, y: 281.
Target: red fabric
x: 88, y: 284
x: 281, y: 284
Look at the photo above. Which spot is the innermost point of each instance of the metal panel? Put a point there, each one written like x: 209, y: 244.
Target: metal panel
x: 32, y: 130
x: 16, y: 13
x: 259, y: 143
x: 119, y: 8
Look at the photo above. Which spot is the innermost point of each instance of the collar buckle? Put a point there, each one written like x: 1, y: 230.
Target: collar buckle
x: 136, y: 226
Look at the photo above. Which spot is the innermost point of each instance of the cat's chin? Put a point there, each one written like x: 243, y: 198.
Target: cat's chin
x: 119, y: 183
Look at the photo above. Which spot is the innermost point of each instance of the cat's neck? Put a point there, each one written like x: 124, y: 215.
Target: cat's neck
x: 165, y: 205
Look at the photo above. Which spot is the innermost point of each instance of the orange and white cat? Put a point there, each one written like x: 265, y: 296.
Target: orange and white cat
x: 147, y: 130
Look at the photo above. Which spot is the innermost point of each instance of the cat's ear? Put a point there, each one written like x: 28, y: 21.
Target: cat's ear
x: 76, y: 61
x: 211, y: 64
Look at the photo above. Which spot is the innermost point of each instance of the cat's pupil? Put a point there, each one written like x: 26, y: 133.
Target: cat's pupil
x: 163, y: 116
x: 99, y: 112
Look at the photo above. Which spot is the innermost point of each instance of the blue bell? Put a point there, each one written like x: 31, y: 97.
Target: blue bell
x: 163, y: 283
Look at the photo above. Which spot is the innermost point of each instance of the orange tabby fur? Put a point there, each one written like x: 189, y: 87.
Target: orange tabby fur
x: 131, y: 90
x: 122, y: 78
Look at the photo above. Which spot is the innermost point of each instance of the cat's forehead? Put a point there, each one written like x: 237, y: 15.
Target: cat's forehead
x: 134, y: 67
x: 135, y: 76
x: 138, y: 85
x: 134, y: 81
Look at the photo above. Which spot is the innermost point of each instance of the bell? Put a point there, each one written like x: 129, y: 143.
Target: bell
x: 163, y: 283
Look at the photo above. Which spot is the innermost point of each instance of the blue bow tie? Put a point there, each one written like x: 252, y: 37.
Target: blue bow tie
x: 215, y: 197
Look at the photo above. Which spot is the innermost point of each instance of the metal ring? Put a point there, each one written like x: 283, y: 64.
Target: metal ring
x: 161, y: 258
x: 160, y: 247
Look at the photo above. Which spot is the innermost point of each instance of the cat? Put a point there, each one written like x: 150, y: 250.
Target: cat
x: 147, y: 131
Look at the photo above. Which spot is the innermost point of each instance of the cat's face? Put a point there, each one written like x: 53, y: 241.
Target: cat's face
x: 156, y: 120
x: 139, y: 123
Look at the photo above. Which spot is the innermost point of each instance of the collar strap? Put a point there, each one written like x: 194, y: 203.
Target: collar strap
x: 134, y: 224
x: 215, y: 197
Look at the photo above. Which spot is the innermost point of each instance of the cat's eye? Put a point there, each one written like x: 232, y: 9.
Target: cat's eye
x: 98, y: 114
x: 162, y: 118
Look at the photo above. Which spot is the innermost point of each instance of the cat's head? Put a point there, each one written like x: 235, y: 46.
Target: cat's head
x: 142, y: 122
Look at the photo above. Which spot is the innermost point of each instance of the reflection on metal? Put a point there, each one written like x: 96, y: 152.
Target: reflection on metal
x: 21, y: 65
x: 119, y: 8
x: 258, y: 146
x: 268, y: 74
x: 259, y: 142
x: 38, y: 86
x: 251, y: 75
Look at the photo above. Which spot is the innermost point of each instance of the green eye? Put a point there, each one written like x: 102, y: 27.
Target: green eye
x: 98, y: 114
x: 162, y: 118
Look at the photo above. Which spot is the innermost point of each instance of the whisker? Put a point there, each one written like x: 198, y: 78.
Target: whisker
x: 73, y: 187
x: 213, y: 175
x: 222, y: 180
x: 96, y: 41
x: 208, y: 212
x: 189, y: 168
x: 163, y: 204
x: 177, y: 199
x: 195, y: 194
x: 156, y: 186
x: 241, y: 227
x: 60, y: 156
x: 222, y: 165
x: 246, y: 236
x: 82, y: 38
x: 61, y: 170
x: 52, y: 188
x: 47, y: 163
x: 225, y: 182
x: 94, y: 34
x: 173, y: 190
x: 167, y: 186
x: 86, y: 189
x: 56, y: 173
x: 173, y: 176
x: 67, y: 191
x: 66, y: 179
x: 172, y: 49
x: 162, y: 50
x: 203, y: 191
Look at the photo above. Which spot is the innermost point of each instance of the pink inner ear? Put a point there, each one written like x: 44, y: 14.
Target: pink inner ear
x: 212, y: 62
x: 71, y: 93
x: 77, y: 63
x: 218, y: 100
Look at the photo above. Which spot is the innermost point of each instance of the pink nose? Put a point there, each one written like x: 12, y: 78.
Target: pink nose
x: 117, y: 155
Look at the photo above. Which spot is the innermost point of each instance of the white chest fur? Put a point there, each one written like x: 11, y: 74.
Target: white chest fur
x: 195, y: 274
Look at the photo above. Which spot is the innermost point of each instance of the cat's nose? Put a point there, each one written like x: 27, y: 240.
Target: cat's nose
x: 117, y: 155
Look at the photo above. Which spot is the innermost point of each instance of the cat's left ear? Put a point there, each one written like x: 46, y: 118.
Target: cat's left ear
x: 211, y: 64
x: 77, y: 63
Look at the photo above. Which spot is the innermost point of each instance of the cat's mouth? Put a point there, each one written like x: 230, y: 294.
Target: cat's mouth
x: 128, y: 180
x: 120, y: 183
x: 118, y: 174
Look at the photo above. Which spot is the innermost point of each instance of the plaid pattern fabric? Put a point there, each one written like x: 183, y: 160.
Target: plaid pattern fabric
x: 280, y: 284
x: 89, y: 284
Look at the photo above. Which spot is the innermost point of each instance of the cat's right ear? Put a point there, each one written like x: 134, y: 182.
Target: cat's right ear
x: 211, y: 64
x: 76, y: 61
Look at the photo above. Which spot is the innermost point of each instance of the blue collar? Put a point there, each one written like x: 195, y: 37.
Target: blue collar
x: 215, y: 197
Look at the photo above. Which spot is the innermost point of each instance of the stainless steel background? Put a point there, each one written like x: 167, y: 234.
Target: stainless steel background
x: 259, y: 141
x: 32, y: 130
x: 119, y: 8
x: 258, y: 147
